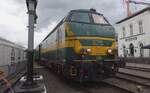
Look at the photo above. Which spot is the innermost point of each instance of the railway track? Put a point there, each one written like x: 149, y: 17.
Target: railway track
x: 127, y: 85
x: 134, y: 78
x: 130, y: 82
x: 55, y: 84
x: 122, y: 83
x: 137, y: 73
x: 138, y: 68
x: 83, y: 88
x: 94, y: 87
x: 12, y: 79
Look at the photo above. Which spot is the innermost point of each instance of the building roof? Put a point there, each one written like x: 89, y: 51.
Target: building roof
x: 2, y: 39
x: 10, y: 43
x: 135, y: 14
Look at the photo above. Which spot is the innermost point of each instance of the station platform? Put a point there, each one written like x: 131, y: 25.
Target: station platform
x: 138, y: 65
x: 136, y: 69
x: 135, y: 72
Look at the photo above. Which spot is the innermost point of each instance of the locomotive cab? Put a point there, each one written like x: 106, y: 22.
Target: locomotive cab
x: 93, y: 42
x: 91, y: 33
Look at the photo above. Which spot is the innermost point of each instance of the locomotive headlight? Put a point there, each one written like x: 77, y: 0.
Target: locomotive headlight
x: 88, y: 50
x: 109, y: 51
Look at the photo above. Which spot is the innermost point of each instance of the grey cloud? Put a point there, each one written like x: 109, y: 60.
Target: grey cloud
x: 50, y: 10
x: 54, y: 10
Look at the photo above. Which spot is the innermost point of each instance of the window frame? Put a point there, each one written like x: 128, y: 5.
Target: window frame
x: 79, y: 21
x: 99, y: 15
x: 140, y: 24
x: 123, y: 32
x: 141, y: 50
x: 95, y: 42
x: 90, y: 17
x: 131, y: 29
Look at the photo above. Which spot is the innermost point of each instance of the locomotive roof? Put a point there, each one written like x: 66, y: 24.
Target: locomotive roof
x: 86, y: 10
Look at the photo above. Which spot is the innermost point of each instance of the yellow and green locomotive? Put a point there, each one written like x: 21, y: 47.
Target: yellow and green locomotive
x: 81, y: 47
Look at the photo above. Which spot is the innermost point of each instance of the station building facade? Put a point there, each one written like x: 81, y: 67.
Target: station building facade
x: 134, y: 33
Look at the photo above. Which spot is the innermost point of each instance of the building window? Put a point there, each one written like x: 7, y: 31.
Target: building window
x: 141, y: 50
x: 80, y: 17
x: 131, y: 29
x: 123, y: 31
x: 140, y: 27
x: 124, y: 51
x: 12, y: 55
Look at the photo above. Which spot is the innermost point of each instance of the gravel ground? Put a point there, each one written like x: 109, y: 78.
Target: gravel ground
x: 55, y: 84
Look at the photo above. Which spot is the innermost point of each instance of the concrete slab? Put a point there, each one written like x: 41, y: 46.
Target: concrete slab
x: 135, y: 72
x: 147, y: 66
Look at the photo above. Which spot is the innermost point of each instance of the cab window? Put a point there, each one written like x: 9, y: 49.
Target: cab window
x: 98, y: 19
x: 80, y: 17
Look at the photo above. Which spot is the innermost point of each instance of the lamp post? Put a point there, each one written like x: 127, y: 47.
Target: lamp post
x: 33, y: 83
x: 31, y: 6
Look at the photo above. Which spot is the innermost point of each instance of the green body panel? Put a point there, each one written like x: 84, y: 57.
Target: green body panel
x: 92, y: 42
x: 58, y: 54
x: 69, y: 54
x: 82, y: 29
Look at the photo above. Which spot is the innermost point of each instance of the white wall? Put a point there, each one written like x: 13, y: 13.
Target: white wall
x: 141, y: 38
x: 5, y: 53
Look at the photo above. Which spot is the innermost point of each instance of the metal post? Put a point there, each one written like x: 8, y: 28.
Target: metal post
x: 31, y: 21
x: 39, y: 56
x: 30, y: 42
x: 33, y: 83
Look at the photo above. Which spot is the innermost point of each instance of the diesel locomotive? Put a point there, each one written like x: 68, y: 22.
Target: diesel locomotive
x: 81, y: 47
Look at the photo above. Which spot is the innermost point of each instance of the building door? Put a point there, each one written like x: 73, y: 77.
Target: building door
x: 124, y: 51
x: 131, y: 47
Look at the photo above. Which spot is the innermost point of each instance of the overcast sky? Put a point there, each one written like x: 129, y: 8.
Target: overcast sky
x: 13, y: 17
